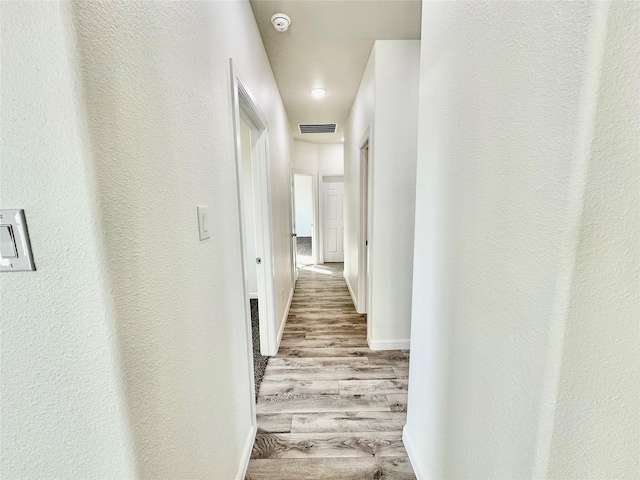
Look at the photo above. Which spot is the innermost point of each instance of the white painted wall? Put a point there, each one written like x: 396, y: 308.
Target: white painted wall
x: 112, y: 213
x: 359, y: 123
x: 331, y: 158
x: 391, y: 110
x: 305, y: 156
x: 393, y: 167
x: 304, y: 205
x: 597, y: 418
x: 318, y: 158
x: 249, y: 212
x: 157, y: 76
x: 63, y: 409
x: 525, y: 305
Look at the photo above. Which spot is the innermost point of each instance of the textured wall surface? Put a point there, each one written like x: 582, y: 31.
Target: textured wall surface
x: 318, y: 158
x: 397, y: 68
x: 159, y: 103
x: 360, y: 120
x: 331, y: 158
x: 597, y: 421
x: 507, y: 265
x: 63, y: 412
x: 305, y: 156
x: 386, y: 103
x: 117, y: 117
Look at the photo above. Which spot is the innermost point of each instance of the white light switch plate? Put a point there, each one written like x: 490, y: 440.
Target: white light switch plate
x: 203, y: 222
x: 15, y: 248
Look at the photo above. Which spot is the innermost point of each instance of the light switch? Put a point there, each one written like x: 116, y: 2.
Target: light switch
x: 15, y: 247
x: 7, y: 242
x: 203, y: 223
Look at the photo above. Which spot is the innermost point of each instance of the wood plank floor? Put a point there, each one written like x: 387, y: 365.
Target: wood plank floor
x: 329, y: 407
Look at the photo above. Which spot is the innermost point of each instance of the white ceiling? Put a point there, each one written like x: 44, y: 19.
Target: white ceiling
x: 328, y: 45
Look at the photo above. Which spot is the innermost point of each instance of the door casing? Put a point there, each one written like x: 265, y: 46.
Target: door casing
x: 243, y: 103
x: 365, y: 246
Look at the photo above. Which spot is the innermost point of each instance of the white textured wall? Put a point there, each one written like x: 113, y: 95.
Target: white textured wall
x: 331, y: 158
x: 387, y: 101
x: 318, y: 158
x: 112, y: 210
x: 63, y: 414
x: 305, y: 156
x: 597, y: 421
x: 510, y: 305
x: 159, y: 101
x: 393, y: 168
x: 359, y: 122
x: 304, y: 205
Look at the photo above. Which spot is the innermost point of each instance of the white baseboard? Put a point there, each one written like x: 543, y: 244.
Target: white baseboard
x: 402, y: 344
x: 353, y: 297
x: 253, y: 296
x: 416, y: 462
x: 283, y: 323
x: 246, y: 453
x: 388, y: 344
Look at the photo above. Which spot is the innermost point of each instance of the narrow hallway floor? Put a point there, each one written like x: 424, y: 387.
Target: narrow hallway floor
x: 329, y: 407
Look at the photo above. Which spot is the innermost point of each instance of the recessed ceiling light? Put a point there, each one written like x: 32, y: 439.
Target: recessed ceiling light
x: 318, y: 92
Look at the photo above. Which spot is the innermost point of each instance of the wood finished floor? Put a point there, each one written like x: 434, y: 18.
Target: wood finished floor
x: 329, y: 407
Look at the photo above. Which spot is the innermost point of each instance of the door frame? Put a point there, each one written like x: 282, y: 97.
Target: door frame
x: 243, y: 101
x: 294, y: 239
x: 314, y: 214
x: 365, y: 252
x: 321, y: 176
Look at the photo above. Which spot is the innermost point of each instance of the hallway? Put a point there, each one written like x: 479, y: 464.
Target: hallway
x: 329, y: 407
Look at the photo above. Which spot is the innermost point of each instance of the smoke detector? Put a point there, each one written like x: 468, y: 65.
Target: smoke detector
x: 281, y: 22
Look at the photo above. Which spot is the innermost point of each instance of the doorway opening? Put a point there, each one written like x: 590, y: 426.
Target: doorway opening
x: 304, y: 201
x: 249, y: 226
x: 256, y: 238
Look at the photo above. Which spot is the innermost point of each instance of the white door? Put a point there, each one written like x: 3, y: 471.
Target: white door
x: 333, y: 224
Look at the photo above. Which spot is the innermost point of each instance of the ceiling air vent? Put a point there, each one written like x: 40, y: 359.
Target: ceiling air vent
x: 318, y: 128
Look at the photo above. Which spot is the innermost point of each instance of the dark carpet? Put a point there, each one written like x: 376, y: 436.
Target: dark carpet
x: 259, y: 361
